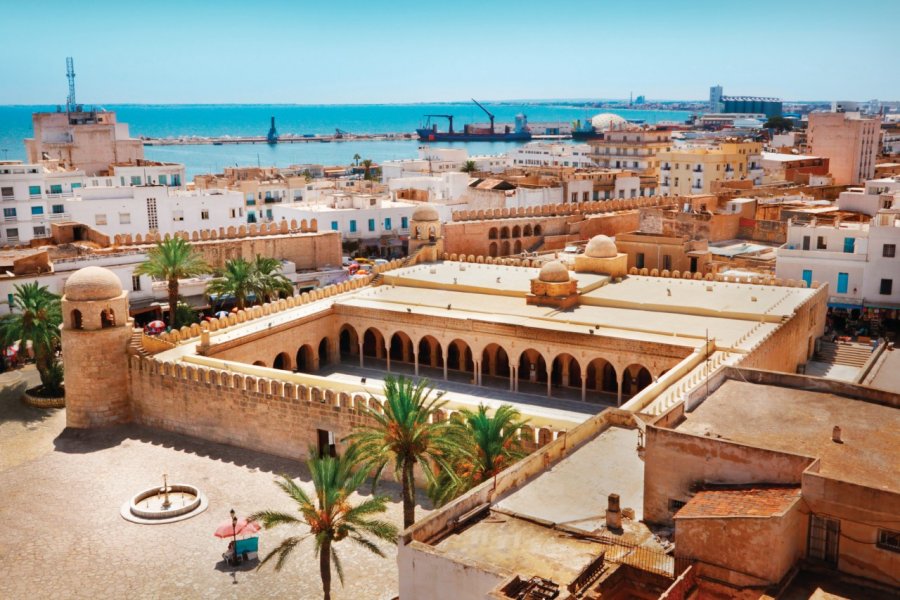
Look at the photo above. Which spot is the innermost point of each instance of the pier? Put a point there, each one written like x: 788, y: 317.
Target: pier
x: 283, y: 139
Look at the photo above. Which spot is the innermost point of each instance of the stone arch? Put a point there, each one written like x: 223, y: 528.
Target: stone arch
x: 76, y: 319
x: 282, y: 362
x: 373, y: 343
x: 538, y: 230
x: 635, y: 378
x: 566, y: 372
x: 306, y: 362
x: 322, y: 351
x: 492, y: 233
x: 430, y: 352
x: 401, y: 347
x: 107, y: 318
x: 259, y: 363
x: 532, y: 366
x: 504, y: 232
x: 492, y: 249
x: 504, y: 248
x: 601, y: 376
x: 516, y: 231
x: 459, y: 356
x: 494, y: 361
x: 517, y: 247
x: 348, y: 341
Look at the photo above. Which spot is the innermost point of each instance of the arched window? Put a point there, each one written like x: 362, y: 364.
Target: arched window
x: 492, y: 233
x: 537, y: 230
x: 76, y: 319
x: 107, y: 318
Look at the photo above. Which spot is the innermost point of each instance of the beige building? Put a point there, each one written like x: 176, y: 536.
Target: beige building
x: 695, y: 168
x: 849, y: 141
x: 87, y: 140
x: 634, y: 149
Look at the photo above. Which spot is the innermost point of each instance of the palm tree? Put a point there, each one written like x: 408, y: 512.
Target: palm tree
x: 367, y: 169
x: 171, y: 260
x: 469, y: 167
x: 491, y: 445
x: 268, y: 282
x: 36, y: 318
x: 405, y: 434
x: 330, y: 516
x: 236, y: 281
x: 356, y: 158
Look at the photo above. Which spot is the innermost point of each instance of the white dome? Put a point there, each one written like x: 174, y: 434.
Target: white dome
x: 607, y: 121
x: 92, y: 284
x: 601, y: 246
x: 554, y: 272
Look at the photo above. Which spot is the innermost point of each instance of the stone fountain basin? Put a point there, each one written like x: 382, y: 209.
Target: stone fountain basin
x: 137, y: 510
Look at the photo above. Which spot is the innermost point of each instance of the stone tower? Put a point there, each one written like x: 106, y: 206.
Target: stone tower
x: 425, y: 232
x: 95, y: 335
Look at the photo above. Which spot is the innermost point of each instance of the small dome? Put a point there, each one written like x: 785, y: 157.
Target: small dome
x: 601, y: 246
x: 606, y: 121
x: 554, y: 272
x: 425, y: 213
x: 92, y: 283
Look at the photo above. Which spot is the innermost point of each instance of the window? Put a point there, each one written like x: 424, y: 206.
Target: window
x: 807, y: 277
x: 639, y: 260
x: 806, y: 242
x: 820, y: 243
x: 124, y: 218
x: 667, y: 262
x: 387, y: 223
x: 152, y: 218
x: 9, y: 213
x: 887, y: 285
x: 6, y: 192
x: 135, y: 180
x: 178, y: 215
x: 888, y: 540
x: 100, y: 219
x: 352, y: 225
x: 12, y: 233
x: 163, y: 180
x: 40, y: 231
x: 889, y: 250
x: 57, y: 209
x: 37, y: 210
x: 204, y: 214
x: 849, y: 244
x: 34, y: 190
x: 842, y: 281
x: 371, y: 224
x: 56, y: 189
x: 334, y: 225
x: 404, y: 223
x: 76, y: 186
x: 176, y: 179
x: 237, y: 212
x: 136, y: 283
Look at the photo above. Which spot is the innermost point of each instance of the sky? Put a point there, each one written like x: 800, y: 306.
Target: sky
x: 360, y: 52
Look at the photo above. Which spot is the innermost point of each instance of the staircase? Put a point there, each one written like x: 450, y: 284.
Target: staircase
x: 851, y: 355
x: 135, y: 345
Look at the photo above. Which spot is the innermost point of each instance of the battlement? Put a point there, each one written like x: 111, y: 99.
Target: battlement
x: 559, y: 210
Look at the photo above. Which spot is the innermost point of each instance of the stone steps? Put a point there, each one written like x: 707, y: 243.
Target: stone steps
x: 843, y: 354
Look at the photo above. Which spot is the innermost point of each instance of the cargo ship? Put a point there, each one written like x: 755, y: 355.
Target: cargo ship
x: 470, y: 133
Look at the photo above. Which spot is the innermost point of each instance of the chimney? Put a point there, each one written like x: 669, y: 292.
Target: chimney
x: 613, y: 513
x: 836, y: 435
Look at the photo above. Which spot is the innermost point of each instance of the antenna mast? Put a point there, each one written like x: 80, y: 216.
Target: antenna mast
x: 70, y: 75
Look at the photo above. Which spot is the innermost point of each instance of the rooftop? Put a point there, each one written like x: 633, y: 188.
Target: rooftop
x: 800, y: 422
x: 749, y: 502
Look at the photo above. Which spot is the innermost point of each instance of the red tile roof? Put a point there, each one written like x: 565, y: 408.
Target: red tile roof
x: 748, y: 502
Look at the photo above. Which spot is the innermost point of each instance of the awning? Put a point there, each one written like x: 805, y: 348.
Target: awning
x: 845, y: 305
x: 884, y: 305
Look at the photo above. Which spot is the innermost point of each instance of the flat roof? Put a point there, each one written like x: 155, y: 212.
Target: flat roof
x: 801, y: 422
x: 778, y: 156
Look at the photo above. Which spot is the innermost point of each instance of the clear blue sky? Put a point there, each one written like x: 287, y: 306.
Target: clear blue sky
x: 349, y: 51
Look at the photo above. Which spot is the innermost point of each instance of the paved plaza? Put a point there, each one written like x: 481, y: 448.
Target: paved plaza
x: 64, y: 538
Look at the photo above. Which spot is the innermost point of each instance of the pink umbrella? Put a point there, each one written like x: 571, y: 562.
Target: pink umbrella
x: 242, y: 527
x: 156, y: 324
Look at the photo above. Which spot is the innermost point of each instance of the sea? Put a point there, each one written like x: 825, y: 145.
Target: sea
x: 177, y: 120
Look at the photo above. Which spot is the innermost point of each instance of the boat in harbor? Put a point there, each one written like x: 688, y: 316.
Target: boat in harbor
x: 519, y: 132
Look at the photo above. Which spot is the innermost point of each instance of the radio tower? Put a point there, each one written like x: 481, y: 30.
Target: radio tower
x: 70, y: 75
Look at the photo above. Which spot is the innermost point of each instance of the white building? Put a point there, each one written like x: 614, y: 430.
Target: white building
x: 434, y: 161
x: 539, y: 154
x: 446, y: 188
x: 878, y: 194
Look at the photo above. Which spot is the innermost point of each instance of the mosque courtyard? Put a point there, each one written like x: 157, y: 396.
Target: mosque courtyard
x: 64, y: 538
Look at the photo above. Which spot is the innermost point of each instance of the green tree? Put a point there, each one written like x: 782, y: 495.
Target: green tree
x: 268, y: 281
x: 169, y: 261
x: 779, y: 123
x: 469, y: 167
x: 237, y: 280
x: 330, y: 517
x: 185, y: 314
x: 35, y: 317
x: 490, y: 444
x: 405, y: 434
x: 356, y: 158
x: 367, y: 169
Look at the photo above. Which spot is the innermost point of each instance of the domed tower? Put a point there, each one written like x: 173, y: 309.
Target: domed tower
x: 95, y: 334
x: 553, y: 287
x: 602, y: 256
x: 425, y: 233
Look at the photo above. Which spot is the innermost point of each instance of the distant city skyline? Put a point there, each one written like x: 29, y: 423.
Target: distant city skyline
x: 276, y: 51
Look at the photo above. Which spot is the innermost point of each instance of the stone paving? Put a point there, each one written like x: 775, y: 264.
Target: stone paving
x: 63, y: 536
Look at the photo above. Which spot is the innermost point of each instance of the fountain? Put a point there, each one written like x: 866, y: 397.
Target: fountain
x: 166, y: 504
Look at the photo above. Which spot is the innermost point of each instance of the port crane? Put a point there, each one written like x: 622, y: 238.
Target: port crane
x: 448, y: 117
x: 487, y: 112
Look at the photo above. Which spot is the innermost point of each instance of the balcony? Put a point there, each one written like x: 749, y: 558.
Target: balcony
x: 666, y: 168
x: 59, y: 216
x: 9, y: 198
x: 698, y: 169
x: 59, y: 195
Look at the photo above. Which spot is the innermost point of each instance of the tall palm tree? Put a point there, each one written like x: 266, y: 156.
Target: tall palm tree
x: 330, y: 517
x: 367, y: 169
x: 469, y: 167
x: 405, y: 434
x: 171, y: 260
x: 268, y: 281
x: 237, y: 281
x: 491, y: 444
x: 356, y: 157
x: 36, y: 316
